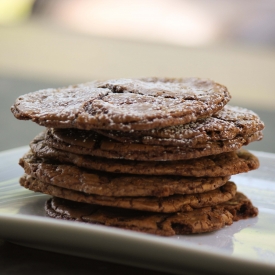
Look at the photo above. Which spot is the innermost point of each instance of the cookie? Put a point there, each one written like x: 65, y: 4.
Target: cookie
x: 169, y: 204
x: 109, y: 184
x: 221, y: 165
x: 197, y: 221
x: 91, y: 143
x: 123, y: 104
x: 227, y: 124
x: 240, y: 207
x: 228, y: 130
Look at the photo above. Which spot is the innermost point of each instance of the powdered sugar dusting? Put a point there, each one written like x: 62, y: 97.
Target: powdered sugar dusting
x: 124, y: 104
x: 228, y: 123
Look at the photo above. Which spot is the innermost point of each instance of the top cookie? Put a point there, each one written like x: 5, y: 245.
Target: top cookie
x: 123, y: 104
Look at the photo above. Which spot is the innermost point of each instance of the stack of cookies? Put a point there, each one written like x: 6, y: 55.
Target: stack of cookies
x: 153, y: 155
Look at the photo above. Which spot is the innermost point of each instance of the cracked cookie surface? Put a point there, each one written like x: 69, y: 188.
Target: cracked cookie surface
x: 229, y: 123
x: 94, y: 144
x: 170, y: 204
x: 227, y: 130
x: 123, y: 104
x: 110, y: 184
x: 197, y: 221
x: 225, y: 164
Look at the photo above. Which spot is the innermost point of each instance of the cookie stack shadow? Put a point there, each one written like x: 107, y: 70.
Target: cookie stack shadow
x: 156, y: 175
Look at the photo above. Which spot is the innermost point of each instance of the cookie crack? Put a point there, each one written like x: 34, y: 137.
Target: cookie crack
x: 116, y: 89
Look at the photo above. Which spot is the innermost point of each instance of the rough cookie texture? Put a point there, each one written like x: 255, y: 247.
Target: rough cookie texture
x: 240, y: 207
x: 97, y: 145
x: 197, y: 221
x: 109, y: 184
x: 123, y: 104
x: 169, y: 204
x: 220, y: 165
x: 227, y: 124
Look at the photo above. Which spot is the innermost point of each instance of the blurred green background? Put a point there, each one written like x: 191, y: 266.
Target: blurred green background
x: 55, y: 43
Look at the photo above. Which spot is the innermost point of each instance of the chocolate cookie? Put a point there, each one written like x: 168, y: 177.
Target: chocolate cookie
x: 221, y: 165
x: 227, y: 124
x: 109, y: 184
x: 90, y: 143
x: 197, y: 221
x: 123, y: 104
x: 169, y: 204
x: 240, y: 207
